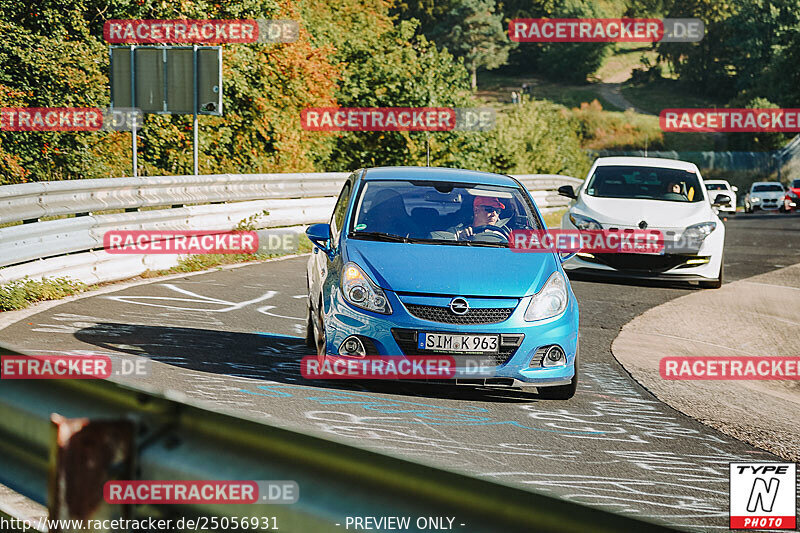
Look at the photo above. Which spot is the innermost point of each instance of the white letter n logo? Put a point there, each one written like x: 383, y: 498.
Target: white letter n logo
x: 757, y: 495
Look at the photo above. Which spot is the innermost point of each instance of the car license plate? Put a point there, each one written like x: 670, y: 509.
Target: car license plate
x: 458, y: 343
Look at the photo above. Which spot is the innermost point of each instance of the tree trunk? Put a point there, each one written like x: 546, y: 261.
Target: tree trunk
x: 474, y: 78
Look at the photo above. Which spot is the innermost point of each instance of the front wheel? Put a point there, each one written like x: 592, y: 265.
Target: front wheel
x: 717, y: 283
x: 561, y: 392
x: 311, y: 339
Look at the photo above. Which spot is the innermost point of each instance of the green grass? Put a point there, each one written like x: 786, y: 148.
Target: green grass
x: 553, y: 219
x: 21, y: 293
x: 498, y: 86
x: 617, y: 67
x: 663, y: 94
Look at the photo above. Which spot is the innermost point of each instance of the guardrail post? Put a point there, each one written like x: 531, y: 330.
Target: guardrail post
x: 86, y: 454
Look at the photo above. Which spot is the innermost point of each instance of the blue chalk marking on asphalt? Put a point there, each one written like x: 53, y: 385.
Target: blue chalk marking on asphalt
x: 275, y: 335
x: 460, y: 416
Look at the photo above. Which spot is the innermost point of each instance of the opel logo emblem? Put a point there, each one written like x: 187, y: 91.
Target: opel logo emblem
x: 459, y: 306
x: 642, y: 225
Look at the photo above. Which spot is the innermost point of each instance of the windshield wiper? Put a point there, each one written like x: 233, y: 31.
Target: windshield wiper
x: 379, y: 236
x: 480, y: 243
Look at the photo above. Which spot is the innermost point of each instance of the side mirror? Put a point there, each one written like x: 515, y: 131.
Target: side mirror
x: 735, y: 188
x: 568, y: 191
x: 722, y: 199
x: 320, y: 236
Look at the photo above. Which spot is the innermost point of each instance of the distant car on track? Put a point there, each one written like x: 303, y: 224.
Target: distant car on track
x: 791, y: 202
x: 628, y: 193
x: 416, y: 261
x: 715, y: 187
x: 764, y: 195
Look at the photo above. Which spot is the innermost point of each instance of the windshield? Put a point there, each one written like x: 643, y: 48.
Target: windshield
x: 716, y: 187
x: 796, y: 184
x: 645, y: 183
x: 768, y: 188
x: 440, y: 212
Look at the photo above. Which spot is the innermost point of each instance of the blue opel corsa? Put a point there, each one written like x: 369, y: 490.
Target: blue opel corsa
x: 416, y: 261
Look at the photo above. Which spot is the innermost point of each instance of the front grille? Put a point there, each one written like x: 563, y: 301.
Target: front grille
x: 643, y: 262
x: 487, y: 315
x: 407, y: 341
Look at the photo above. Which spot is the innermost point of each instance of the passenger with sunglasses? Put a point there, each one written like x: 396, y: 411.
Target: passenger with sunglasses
x: 485, y: 212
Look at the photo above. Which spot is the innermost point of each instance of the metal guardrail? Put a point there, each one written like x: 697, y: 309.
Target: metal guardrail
x: 179, y: 439
x: 31, y: 201
x: 39, y: 249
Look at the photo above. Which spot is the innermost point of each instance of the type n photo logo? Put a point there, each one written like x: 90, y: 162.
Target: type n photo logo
x: 763, y: 496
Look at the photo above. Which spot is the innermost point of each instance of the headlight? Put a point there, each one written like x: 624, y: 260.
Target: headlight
x: 584, y: 223
x: 755, y: 199
x: 550, y: 301
x: 698, y: 232
x: 362, y: 292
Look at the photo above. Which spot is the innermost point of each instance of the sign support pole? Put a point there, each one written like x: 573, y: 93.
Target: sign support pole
x: 134, y: 148
x: 194, y: 108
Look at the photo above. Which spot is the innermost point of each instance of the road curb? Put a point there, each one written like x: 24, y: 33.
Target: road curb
x: 757, y: 316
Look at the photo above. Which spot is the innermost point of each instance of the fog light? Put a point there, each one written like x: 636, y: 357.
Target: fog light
x: 352, y: 346
x: 555, y: 356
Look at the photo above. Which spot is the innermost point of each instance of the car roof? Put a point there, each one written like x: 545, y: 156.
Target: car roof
x: 646, y: 162
x: 767, y: 183
x: 717, y: 181
x: 438, y: 174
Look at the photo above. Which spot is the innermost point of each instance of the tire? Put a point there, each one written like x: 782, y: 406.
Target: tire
x: 311, y: 339
x: 717, y: 283
x: 561, y: 392
x: 320, y: 341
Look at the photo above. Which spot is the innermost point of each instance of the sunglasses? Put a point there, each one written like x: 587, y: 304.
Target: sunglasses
x: 490, y: 209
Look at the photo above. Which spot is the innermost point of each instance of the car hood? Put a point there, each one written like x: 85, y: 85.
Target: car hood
x: 768, y: 195
x: 452, y: 270
x: 624, y: 212
x: 795, y: 190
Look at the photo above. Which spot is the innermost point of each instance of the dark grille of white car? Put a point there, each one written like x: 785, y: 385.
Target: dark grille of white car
x: 486, y: 315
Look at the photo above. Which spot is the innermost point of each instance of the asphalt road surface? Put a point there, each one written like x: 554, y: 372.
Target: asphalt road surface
x: 233, y: 337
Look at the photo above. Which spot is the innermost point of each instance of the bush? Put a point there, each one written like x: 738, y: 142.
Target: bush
x: 20, y: 294
x: 537, y: 138
x: 613, y: 130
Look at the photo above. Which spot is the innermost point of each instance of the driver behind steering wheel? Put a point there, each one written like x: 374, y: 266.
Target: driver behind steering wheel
x: 485, y: 212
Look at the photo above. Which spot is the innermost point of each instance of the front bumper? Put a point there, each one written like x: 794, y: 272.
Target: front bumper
x: 344, y: 320
x: 684, y: 266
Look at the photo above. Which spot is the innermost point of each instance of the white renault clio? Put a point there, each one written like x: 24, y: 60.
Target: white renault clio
x: 626, y: 193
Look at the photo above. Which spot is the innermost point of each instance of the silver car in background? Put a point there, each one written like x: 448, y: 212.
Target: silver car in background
x: 765, y: 195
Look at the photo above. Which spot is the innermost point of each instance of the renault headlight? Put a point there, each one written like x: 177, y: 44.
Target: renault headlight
x: 584, y: 223
x: 698, y: 232
x: 359, y: 290
x: 550, y: 301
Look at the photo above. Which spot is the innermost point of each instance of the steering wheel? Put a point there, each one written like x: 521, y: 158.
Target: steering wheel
x: 504, y: 231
